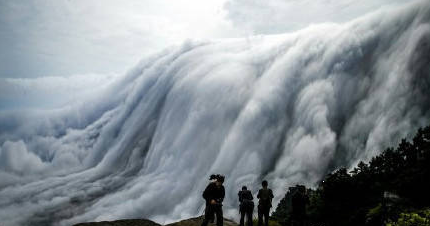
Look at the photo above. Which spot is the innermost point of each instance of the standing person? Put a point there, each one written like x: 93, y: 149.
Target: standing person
x: 265, y: 196
x: 246, y: 206
x: 214, y: 195
x: 212, y: 179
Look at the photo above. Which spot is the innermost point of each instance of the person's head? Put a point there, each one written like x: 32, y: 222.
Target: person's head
x: 219, y: 180
x: 244, y: 188
x: 264, y: 184
x: 212, y: 177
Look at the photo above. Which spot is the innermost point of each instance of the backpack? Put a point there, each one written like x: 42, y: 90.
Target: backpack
x: 246, y: 205
x: 265, y: 196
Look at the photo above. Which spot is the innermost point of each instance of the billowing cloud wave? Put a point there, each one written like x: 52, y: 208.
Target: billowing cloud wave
x: 288, y: 108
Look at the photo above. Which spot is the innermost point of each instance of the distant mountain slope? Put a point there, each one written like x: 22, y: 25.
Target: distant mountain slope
x: 128, y: 222
x: 197, y: 222
x: 143, y: 222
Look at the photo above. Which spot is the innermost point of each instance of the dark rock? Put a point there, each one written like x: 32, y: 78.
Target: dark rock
x: 128, y: 222
x: 197, y: 221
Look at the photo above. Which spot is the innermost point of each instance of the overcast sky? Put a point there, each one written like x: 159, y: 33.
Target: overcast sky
x: 68, y: 37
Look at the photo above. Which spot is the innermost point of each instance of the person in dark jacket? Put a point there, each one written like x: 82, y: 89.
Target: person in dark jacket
x: 265, y: 196
x: 246, y: 206
x: 212, y: 179
x: 214, y: 195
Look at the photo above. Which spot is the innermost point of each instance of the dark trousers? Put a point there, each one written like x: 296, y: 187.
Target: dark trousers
x: 263, y: 212
x: 212, y: 210
x: 248, y: 218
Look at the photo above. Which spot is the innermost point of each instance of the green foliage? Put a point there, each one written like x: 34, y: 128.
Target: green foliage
x: 420, y: 218
x: 375, y: 216
x: 372, y: 193
x: 283, y: 212
x: 271, y: 222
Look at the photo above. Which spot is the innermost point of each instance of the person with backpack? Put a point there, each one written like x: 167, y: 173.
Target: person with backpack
x: 212, y: 182
x: 214, y: 195
x: 265, y: 196
x: 246, y: 206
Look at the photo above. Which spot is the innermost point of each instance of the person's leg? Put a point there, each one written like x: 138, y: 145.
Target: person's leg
x: 205, y: 222
x: 249, y: 218
x: 266, y: 217
x: 208, y: 215
x: 219, y: 217
x: 211, y: 216
x: 242, y: 216
x: 260, y: 217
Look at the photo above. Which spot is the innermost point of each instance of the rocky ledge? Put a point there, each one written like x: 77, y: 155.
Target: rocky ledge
x: 143, y: 222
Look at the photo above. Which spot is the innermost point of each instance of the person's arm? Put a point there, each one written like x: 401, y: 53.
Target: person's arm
x: 209, y: 193
x: 271, y: 194
x: 206, y: 193
x: 258, y: 195
x: 240, y: 196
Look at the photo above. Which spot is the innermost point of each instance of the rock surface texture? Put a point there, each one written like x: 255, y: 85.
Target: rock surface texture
x: 143, y: 222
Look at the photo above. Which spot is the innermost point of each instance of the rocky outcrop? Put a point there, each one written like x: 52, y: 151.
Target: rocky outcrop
x: 127, y: 222
x: 143, y: 222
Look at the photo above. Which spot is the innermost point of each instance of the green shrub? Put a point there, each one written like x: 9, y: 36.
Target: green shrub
x: 271, y: 222
x: 420, y: 218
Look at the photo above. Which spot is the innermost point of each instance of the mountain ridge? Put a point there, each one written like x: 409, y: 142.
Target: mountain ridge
x: 195, y: 221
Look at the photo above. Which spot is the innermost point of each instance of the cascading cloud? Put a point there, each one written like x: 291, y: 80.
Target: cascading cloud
x: 287, y: 108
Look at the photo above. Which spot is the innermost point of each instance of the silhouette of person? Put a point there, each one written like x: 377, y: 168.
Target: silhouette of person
x: 246, y: 206
x: 265, y: 196
x: 214, y: 195
x: 212, y: 179
x: 298, y: 204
